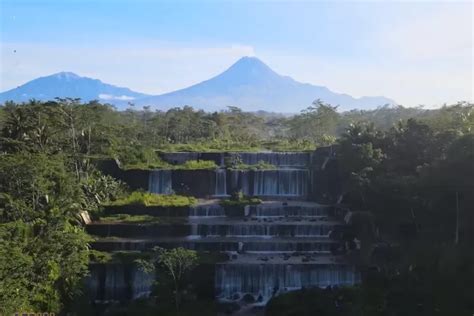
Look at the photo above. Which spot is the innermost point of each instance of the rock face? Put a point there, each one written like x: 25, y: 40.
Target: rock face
x: 285, y: 243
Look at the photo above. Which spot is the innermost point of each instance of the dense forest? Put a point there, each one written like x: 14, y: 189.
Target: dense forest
x: 408, y: 175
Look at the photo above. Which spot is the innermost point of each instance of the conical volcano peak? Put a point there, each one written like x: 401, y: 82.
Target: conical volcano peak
x: 251, y: 64
x: 247, y: 70
x: 66, y: 75
x: 250, y: 61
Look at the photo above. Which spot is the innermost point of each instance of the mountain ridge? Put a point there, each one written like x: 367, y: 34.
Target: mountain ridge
x: 249, y: 84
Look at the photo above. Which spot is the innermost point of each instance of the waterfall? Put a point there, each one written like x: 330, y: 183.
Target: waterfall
x: 261, y: 230
x: 159, y: 181
x: 118, y: 282
x: 262, y: 281
x: 283, y: 182
x: 256, y: 245
x: 239, y: 181
x: 280, y: 182
x: 221, y: 182
x: 273, y: 210
x: 285, y: 243
x: 211, y: 210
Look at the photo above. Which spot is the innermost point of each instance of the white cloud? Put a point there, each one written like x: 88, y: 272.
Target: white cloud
x: 114, y: 97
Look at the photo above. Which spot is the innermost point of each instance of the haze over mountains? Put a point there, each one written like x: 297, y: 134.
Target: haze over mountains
x: 249, y: 84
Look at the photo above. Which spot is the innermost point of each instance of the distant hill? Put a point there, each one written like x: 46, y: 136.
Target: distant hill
x: 68, y: 84
x: 248, y: 84
x: 252, y: 85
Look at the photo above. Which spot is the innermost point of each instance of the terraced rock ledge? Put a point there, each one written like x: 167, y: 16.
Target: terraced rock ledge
x: 287, y: 242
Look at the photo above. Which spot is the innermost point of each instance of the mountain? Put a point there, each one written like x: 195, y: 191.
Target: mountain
x: 68, y: 84
x: 252, y: 85
x: 248, y: 84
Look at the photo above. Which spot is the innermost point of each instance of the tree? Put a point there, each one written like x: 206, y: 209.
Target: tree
x: 317, y: 123
x: 177, y: 262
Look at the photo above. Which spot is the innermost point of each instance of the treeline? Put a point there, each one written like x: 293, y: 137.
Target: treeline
x: 98, y: 129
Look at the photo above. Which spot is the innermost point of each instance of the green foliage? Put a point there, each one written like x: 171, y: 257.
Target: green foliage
x: 317, y: 124
x: 127, y: 218
x: 32, y: 185
x: 197, y: 164
x: 238, y: 199
x: 138, y: 157
x: 43, y: 272
x: 151, y: 199
x: 261, y: 165
x: 177, y: 263
x: 97, y: 256
x: 160, y: 164
x: 100, y: 189
x: 408, y: 170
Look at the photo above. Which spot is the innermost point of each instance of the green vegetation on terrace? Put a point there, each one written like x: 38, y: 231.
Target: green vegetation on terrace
x: 150, y: 199
x: 216, y: 146
x: 197, y: 164
x: 142, y: 219
x: 212, y: 146
x: 127, y: 218
x: 160, y: 164
x: 243, y: 202
x: 129, y: 256
x: 261, y: 165
x: 238, y: 199
x: 96, y: 256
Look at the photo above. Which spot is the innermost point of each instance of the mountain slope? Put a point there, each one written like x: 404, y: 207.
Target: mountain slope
x: 252, y: 85
x: 68, y: 84
x: 248, y: 84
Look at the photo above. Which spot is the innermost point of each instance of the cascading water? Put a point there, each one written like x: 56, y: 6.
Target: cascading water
x: 273, y: 210
x: 280, y: 182
x: 221, y: 182
x: 263, y: 281
x: 282, y: 244
x: 211, y: 210
x: 159, y: 181
x: 283, y: 182
x: 261, y: 230
x: 118, y: 282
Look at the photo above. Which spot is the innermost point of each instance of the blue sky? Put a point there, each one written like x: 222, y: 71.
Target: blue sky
x: 417, y: 52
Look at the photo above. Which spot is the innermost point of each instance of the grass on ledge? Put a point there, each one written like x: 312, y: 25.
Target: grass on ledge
x: 151, y: 199
x: 188, y: 165
x: 197, y: 164
x: 234, y: 146
x: 127, y: 218
x: 261, y: 165
x: 240, y: 202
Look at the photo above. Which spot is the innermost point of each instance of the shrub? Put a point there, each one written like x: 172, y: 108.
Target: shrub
x: 99, y: 256
x: 127, y: 218
x: 261, y: 165
x: 151, y: 199
x: 238, y: 199
x: 197, y: 164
